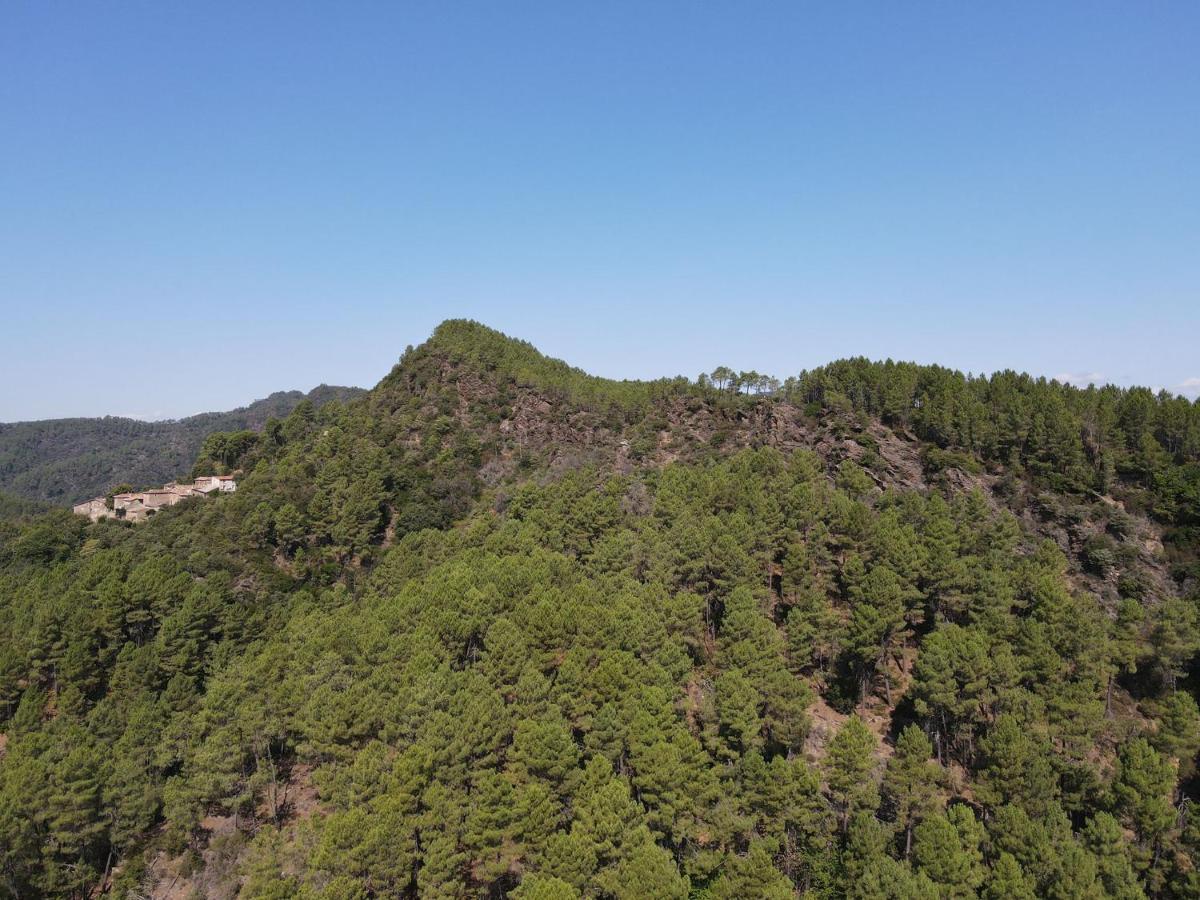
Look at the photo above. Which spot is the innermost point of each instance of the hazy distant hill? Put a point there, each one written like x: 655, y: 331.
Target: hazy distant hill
x: 19, y: 507
x: 66, y: 460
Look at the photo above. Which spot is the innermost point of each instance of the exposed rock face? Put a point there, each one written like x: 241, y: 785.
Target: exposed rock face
x: 559, y: 435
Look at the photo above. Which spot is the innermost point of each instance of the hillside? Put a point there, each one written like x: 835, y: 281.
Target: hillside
x: 501, y: 628
x: 63, y: 461
x: 20, y: 508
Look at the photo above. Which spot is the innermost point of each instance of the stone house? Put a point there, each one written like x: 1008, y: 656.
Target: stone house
x: 137, y: 506
x: 94, y: 509
x: 209, y: 483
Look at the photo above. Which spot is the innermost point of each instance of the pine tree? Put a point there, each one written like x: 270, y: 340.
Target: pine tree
x: 942, y: 568
x: 1014, y: 769
x: 1142, y: 788
x: 946, y: 848
x: 1123, y: 644
x: 569, y: 857
x: 912, y: 782
x: 605, y: 813
x: 1178, y: 735
x: 1006, y: 881
x: 752, y: 875
x: 953, y: 685
x: 544, y: 887
x: 865, y: 840
x: 648, y: 871
x: 545, y: 750
x: 849, y: 770
x: 883, y: 878
x: 1103, y: 837
x: 878, y: 624
x: 75, y: 830
x: 1175, y: 638
x: 1078, y: 878
x: 488, y: 832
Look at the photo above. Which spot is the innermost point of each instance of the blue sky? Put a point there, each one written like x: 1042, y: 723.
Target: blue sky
x: 293, y: 192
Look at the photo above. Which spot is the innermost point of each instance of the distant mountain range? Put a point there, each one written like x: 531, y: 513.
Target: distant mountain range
x: 62, y: 461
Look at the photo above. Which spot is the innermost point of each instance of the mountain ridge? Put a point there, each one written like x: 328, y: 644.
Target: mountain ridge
x: 500, y: 628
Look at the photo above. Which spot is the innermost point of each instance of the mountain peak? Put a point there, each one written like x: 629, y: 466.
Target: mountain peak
x: 459, y: 346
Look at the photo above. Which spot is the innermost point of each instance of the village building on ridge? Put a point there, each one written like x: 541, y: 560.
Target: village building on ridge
x: 137, y: 506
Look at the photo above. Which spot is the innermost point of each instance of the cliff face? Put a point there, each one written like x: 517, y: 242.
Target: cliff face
x: 545, y: 419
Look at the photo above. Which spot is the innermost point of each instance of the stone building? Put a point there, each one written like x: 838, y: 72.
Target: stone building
x: 209, y: 483
x: 137, y: 506
x: 94, y: 509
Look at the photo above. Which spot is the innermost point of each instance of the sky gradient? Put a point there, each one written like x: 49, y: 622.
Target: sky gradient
x: 204, y: 203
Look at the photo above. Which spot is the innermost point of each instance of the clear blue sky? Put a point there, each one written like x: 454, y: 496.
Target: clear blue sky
x: 204, y: 202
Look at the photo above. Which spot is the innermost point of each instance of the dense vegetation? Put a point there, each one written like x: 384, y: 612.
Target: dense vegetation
x: 12, y: 507
x: 64, y: 461
x: 499, y: 628
x: 1141, y: 446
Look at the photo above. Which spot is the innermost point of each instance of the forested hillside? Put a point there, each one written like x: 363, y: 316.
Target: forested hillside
x: 500, y: 628
x: 63, y: 461
x: 18, y: 507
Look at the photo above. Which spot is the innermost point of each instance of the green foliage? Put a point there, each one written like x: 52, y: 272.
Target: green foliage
x: 14, y: 508
x: 1071, y: 440
x: 753, y: 875
x: 424, y: 650
x: 850, y: 770
x: 912, y: 783
x: 946, y: 849
x: 1142, y: 789
x: 504, y: 357
x: 224, y: 451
